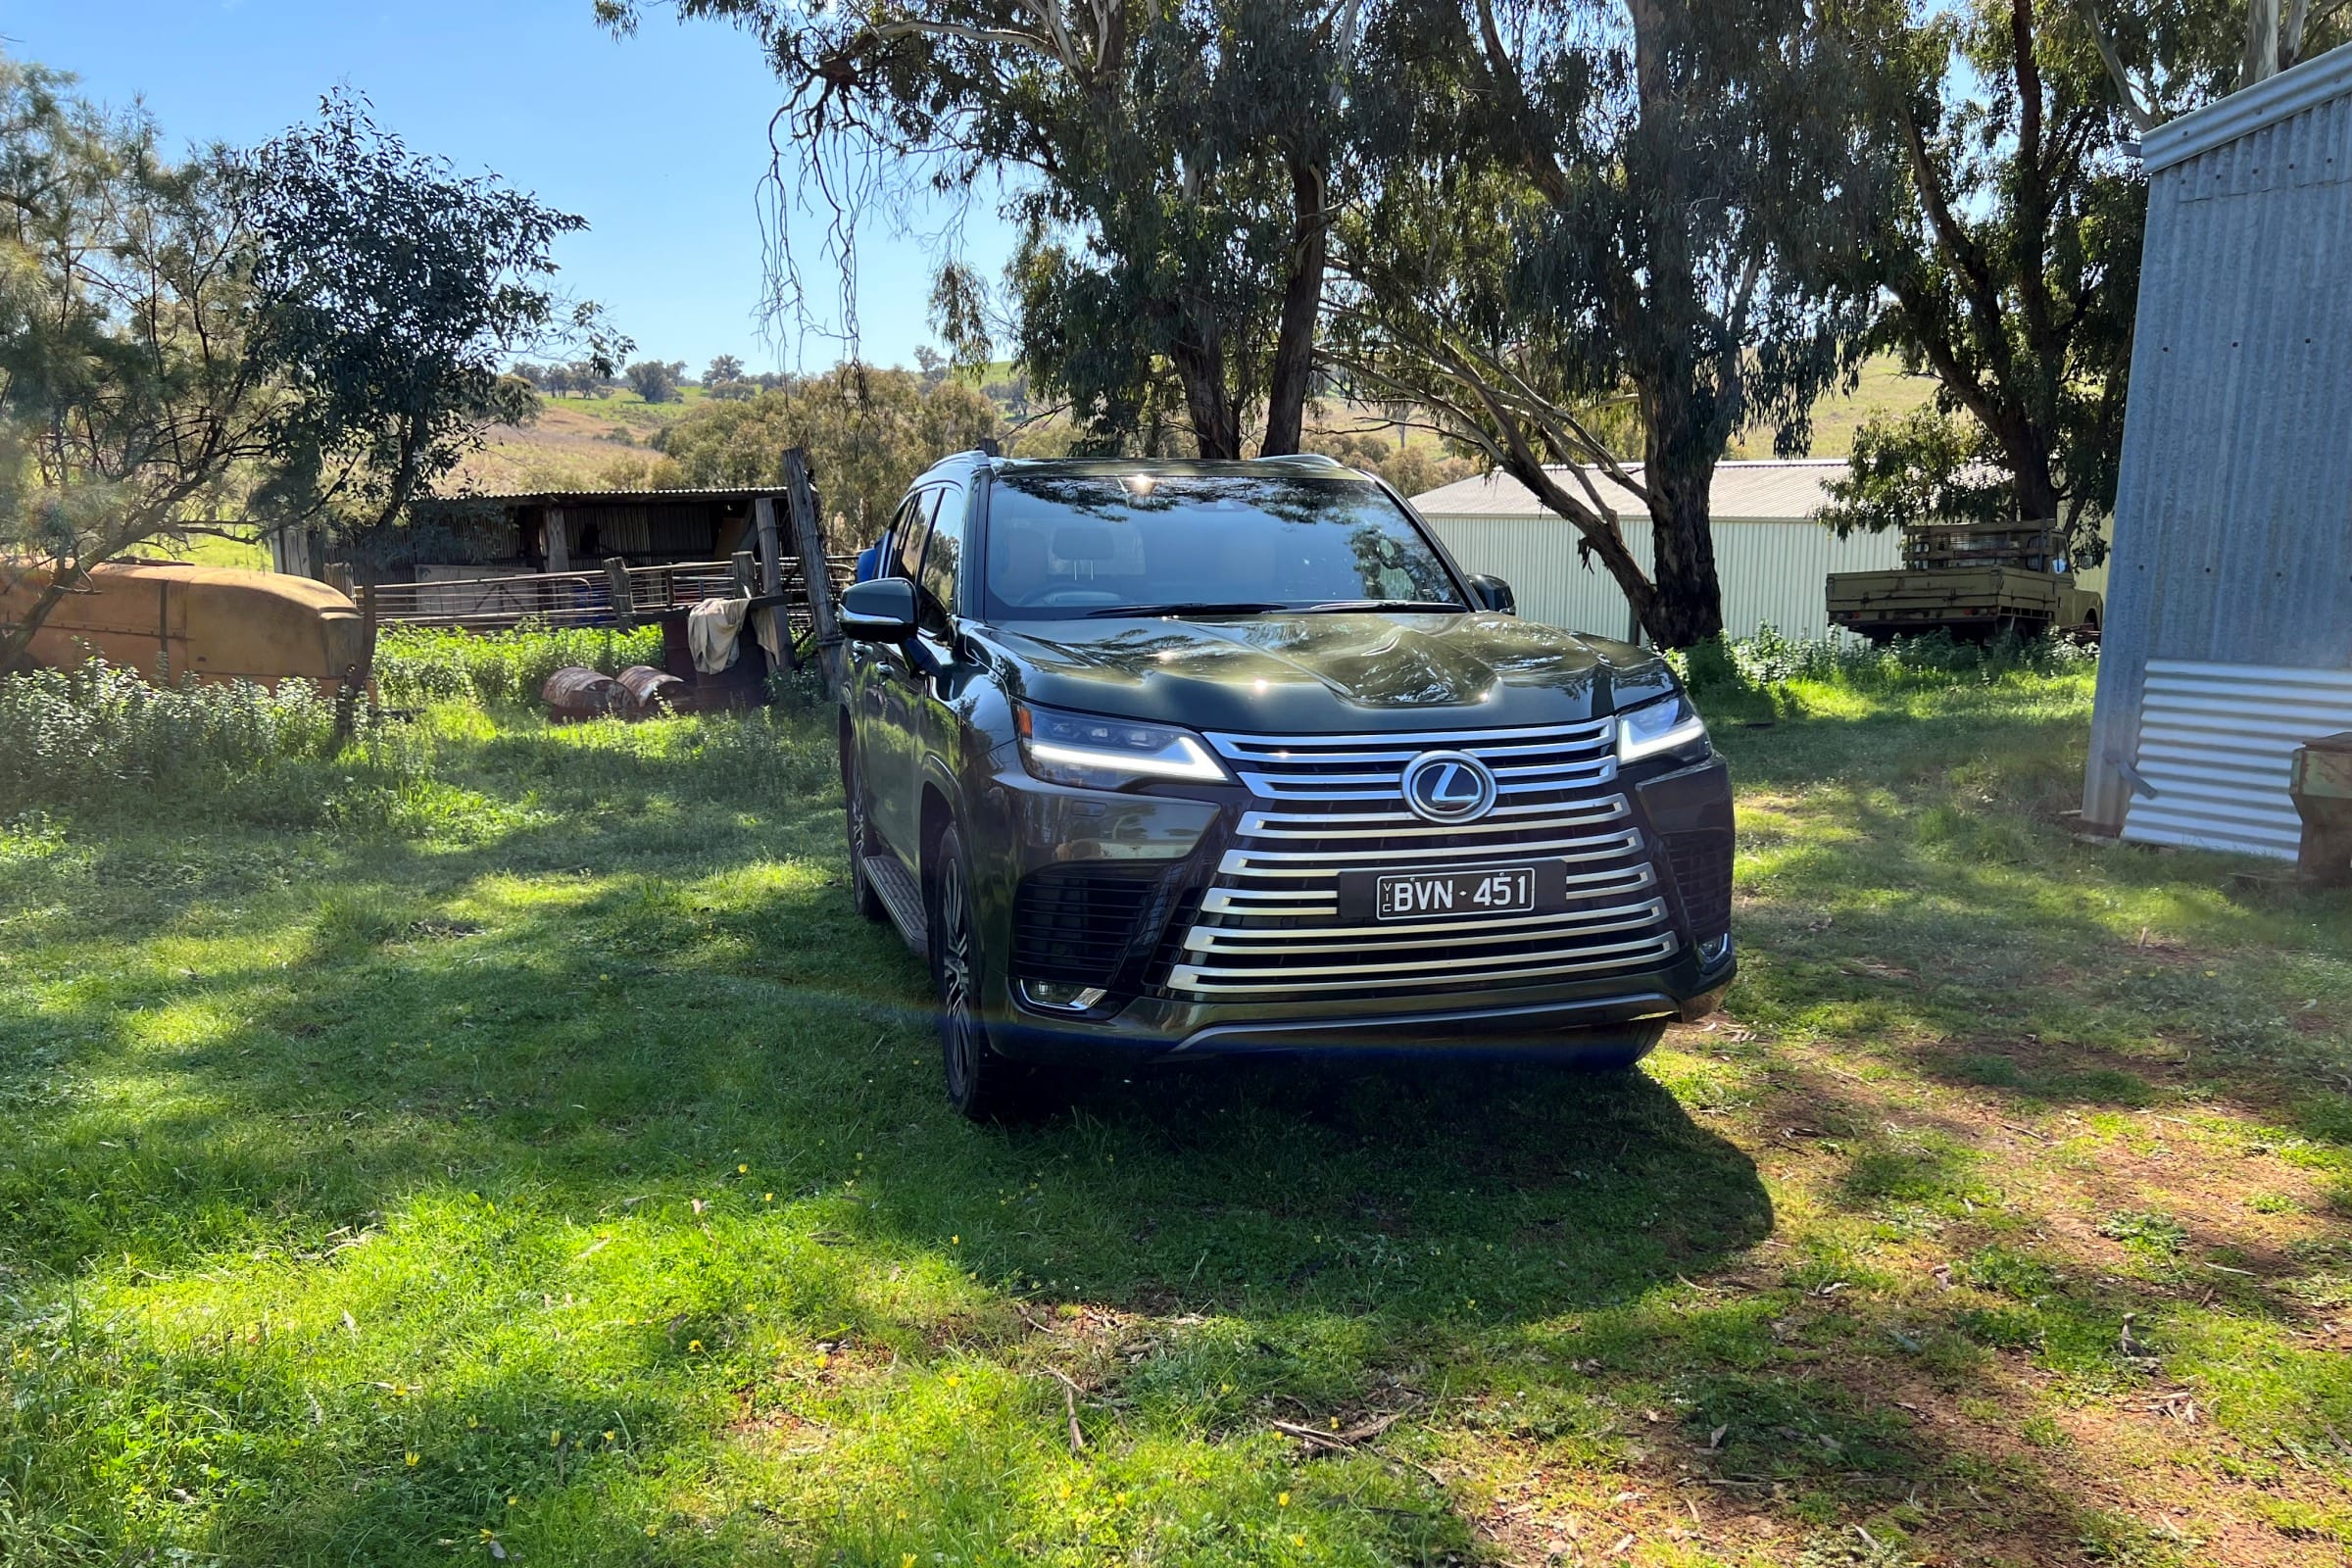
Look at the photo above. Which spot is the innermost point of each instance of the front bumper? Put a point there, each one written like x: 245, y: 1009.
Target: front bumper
x: 1164, y: 850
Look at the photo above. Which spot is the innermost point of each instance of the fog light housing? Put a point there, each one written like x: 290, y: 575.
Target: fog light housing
x: 1714, y: 951
x: 1055, y: 995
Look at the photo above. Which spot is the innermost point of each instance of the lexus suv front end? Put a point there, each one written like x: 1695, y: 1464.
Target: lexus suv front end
x: 1157, y: 760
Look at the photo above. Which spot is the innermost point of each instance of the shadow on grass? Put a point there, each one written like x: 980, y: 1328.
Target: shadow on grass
x: 658, y: 1149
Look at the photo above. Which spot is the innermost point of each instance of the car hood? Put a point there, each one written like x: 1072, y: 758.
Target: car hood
x: 1325, y: 673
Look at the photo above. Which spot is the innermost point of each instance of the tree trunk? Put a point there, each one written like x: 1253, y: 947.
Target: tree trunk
x: 2028, y: 455
x: 1293, y: 373
x: 1216, y: 420
x: 1682, y: 442
x: 2262, y: 42
x: 15, y: 643
x: 1687, y: 606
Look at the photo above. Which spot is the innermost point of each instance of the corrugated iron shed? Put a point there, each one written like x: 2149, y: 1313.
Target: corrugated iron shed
x: 2233, y: 548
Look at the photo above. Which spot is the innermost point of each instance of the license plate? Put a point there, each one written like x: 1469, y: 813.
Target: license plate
x: 1488, y: 890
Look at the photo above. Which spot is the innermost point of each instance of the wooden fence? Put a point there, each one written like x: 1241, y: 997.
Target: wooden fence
x: 613, y: 595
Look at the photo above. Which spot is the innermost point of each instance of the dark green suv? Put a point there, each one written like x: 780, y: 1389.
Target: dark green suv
x: 1156, y: 759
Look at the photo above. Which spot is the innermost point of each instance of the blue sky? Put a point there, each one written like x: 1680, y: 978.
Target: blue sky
x: 659, y: 141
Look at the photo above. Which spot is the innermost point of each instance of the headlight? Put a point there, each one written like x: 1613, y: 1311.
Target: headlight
x: 1668, y: 724
x: 1110, y: 753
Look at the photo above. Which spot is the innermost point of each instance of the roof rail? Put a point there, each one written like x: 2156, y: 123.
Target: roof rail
x: 1304, y: 459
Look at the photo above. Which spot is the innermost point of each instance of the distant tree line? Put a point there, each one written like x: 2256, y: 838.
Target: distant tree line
x: 1565, y: 235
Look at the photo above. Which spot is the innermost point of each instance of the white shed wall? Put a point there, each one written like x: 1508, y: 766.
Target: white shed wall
x: 1774, y: 572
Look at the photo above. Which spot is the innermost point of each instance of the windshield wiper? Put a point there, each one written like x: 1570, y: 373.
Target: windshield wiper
x: 1146, y: 611
x: 1338, y: 604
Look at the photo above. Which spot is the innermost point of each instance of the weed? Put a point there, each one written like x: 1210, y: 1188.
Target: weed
x: 2146, y: 1232
x: 417, y: 666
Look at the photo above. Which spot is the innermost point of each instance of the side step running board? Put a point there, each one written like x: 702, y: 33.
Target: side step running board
x: 903, y: 897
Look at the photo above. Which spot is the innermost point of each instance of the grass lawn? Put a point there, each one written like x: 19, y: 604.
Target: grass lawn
x: 536, y: 1160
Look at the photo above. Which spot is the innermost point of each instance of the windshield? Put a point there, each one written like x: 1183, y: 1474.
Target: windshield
x: 1062, y: 546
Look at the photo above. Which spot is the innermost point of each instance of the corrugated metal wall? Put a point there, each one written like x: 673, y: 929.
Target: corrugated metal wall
x: 2215, y: 741
x: 2233, y: 512
x: 1773, y: 572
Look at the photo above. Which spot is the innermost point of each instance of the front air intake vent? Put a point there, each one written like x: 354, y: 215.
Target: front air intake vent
x: 1702, y: 872
x: 1075, y: 925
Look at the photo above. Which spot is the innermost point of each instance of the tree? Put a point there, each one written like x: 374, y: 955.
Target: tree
x: 2011, y: 261
x: 722, y: 367
x: 392, y: 288
x: 656, y: 381
x: 868, y: 431
x: 1175, y: 161
x: 133, y: 400
x: 1925, y: 464
x: 1576, y: 207
x: 2166, y: 56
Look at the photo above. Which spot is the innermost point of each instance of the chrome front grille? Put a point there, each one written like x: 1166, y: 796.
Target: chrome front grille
x: 1270, y: 925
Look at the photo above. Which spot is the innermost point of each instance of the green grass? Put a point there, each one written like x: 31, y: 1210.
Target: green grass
x: 517, y: 1143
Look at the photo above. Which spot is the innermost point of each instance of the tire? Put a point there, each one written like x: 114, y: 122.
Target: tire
x: 981, y: 1085
x: 1622, y: 1056
x: 862, y: 843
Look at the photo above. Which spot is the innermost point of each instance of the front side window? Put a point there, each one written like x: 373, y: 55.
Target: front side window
x: 913, y: 526
x: 942, y: 559
x: 1062, y: 546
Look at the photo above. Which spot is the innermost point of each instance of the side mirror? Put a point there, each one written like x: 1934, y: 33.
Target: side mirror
x: 1493, y: 593
x: 878, y: 611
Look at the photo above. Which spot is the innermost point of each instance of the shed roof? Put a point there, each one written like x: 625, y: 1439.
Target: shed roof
x: 1766, y: 491
x: 2301, y: 87
x: 605, y: 498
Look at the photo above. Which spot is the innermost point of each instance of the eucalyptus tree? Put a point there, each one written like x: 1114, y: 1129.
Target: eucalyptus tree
x: 2166, y: 56
x: 2011, y: 264
x: 1169, y: 164
x: 1579, y: 212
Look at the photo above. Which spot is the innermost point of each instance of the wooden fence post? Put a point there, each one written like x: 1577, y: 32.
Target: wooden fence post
x: 624, y: 598
x: 772, y: 574
x: 558, y: 541
x: 809, y: 541
x: 747, y: 573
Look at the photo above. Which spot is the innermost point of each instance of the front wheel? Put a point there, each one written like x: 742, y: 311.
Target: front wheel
x: 981, y: 1085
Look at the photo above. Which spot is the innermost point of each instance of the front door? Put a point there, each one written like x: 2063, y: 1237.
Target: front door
x: 891, y: 705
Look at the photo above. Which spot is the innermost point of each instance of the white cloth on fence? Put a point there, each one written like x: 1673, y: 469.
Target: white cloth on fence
x: 774, y: 636
x: 712, y: 628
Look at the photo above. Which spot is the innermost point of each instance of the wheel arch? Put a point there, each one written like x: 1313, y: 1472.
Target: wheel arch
x: 938, y: 813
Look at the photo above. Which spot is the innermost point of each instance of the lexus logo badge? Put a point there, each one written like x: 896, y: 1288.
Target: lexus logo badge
x: 1449, y: 786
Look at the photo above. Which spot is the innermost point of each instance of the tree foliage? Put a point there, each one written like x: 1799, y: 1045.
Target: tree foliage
x: 2166, y: 57
x: 392, y: 291
x: 868, y: 431
x: 1575, y: 207
x: 2012, y: 259
x: 133, y: 400
x: 1172, y: 163
x: 1926, y: 464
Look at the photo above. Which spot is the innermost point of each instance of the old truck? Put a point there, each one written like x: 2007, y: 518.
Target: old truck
x: 1973, y: 581
x: 169, y: 620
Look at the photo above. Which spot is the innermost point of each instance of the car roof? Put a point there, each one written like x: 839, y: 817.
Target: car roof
x: 1308, y: 465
